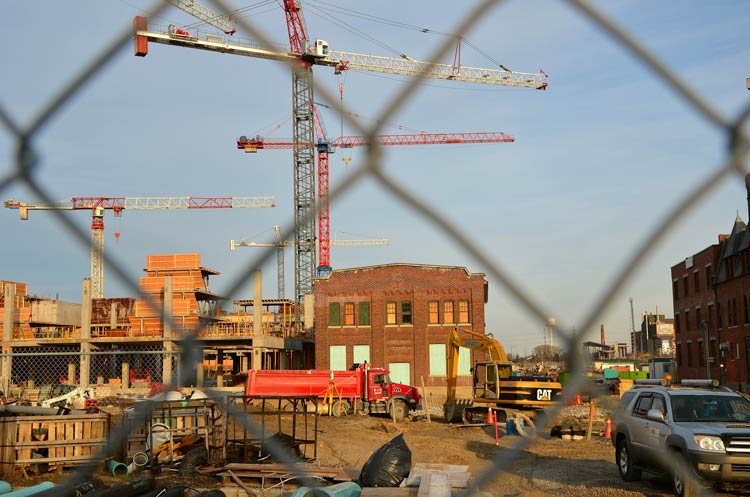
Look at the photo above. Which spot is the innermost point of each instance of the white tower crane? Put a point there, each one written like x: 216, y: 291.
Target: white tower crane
x: 302, y: 55
x: 97, y: 206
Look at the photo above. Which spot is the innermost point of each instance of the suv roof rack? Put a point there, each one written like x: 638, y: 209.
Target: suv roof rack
x: 696, y: 383
x: 700, y: 383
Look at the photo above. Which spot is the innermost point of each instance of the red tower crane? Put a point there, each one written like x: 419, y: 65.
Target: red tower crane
x: 97, y: 206
x: 325, y: 148
x: 301, y: 57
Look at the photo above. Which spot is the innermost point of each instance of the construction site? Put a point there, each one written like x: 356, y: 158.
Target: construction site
x: 370, y: 375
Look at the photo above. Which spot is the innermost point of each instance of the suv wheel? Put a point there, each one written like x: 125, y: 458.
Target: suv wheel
x: 625, y: 462
x: 684, y: 483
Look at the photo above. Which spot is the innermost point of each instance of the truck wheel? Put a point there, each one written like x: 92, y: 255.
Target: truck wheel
x: 340, y: 408
x: 399, y: 410
x: 624, y: 460
x: 684, y: 481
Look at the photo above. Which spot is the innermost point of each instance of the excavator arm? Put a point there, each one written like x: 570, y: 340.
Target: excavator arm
x: 476, y: 341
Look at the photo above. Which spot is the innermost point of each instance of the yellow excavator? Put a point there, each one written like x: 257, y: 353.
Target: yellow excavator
x: 494, y: 385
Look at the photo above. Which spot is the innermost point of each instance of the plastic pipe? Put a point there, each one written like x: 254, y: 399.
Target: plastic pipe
x: 344, y: 489
x: 4, y: 487
x: 117, y: 468
x: 24, y: 492
x: 70, y: 489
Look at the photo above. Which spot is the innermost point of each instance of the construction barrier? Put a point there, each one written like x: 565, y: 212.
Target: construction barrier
x: 53, y: 441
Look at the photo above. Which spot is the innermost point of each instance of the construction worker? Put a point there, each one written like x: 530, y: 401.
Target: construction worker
x: 3, y: 400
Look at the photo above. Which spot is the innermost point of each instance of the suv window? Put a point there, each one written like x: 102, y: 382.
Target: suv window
x: 709, y: 408
x: 626, y: 398
x: 642, y: 405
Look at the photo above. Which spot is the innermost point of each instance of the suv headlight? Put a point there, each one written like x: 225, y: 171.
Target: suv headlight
x: 709, y: 443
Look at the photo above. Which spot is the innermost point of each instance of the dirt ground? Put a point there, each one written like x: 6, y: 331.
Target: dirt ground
x: 546, y: 466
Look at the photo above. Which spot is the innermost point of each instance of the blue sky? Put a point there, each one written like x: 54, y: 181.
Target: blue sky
x: 598, y: 158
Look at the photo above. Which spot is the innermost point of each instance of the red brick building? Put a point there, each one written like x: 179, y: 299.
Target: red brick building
x: 695, y: 313
x: 710, y: 292
x: 397, y: 316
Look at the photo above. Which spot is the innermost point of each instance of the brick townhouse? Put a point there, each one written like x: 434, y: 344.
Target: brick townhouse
x: 397, y: 316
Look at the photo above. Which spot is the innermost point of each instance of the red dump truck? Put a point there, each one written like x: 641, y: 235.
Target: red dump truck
x: 362, y: 388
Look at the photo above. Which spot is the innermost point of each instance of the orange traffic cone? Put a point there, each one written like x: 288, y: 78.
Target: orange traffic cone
x: 490, y: 416
x: 608, y: 428
x: 579, y: 401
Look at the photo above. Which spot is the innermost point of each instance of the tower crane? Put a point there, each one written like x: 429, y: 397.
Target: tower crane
x: 301, y: 57
x: 325, y: 147
x: 97, y: 206
x: 281, y: 244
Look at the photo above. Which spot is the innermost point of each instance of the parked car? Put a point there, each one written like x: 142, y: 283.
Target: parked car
x: 695, y: 432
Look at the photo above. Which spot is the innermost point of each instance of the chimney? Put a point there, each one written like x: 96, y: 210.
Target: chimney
x: 602, y: 333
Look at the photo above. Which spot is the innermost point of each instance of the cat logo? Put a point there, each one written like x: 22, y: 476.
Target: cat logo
x: 544, y: 394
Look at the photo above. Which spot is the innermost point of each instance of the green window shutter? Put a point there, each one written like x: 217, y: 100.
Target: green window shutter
x: 334, y: 314
x: 364, y: 314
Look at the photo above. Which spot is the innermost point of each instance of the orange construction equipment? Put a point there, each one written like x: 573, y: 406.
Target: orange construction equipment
x: 608, y: 428
x: 490, y: 416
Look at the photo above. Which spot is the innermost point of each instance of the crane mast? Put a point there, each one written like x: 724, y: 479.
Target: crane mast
x: 301, y: 59
x: 97, y: 206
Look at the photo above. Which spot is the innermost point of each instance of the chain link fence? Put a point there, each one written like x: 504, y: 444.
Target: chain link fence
x: 60, y: 363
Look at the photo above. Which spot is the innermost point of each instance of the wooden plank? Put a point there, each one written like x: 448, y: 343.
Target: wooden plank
x: 86, y: 433
x: 78, y: 435
x: 24, y: 435
x: 7, y: 452
x: 389, y: 492
x: 435, y: 484
x: 43, y: 444
x: 69, y: 434
x: 458, y: 474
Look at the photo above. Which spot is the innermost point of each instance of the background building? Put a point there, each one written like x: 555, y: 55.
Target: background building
x: 712, y: 319
x: 397, y: 316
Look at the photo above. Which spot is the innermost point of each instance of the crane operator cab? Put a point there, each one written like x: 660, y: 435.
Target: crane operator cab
x: 319, y: 49
x: 487, y: 376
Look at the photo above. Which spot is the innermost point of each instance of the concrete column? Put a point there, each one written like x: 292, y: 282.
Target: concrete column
x: 258, y: 303
x: 6, y: 362
x: 244, y: 363
x: 283, y: 360
x: 125, y: 379
x: 166, y: 319
x: 85, y: 359
x: 256, y: 359
x: 113, y: 316
x: 167, y: 373
x: 219, y: 368
x: 71, y: 373
x: 166, y: 316
x: 199, y: 373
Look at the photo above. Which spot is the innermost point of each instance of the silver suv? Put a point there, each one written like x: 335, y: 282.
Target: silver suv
x: 696, y: 432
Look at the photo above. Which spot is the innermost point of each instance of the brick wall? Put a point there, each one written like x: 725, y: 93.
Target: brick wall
x: 400, y: 342
x: 694, y: 304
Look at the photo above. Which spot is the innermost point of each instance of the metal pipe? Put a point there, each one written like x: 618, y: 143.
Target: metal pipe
x: 41, y: 411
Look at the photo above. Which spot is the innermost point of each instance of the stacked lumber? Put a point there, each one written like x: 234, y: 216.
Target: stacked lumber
x: 426, y: 480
